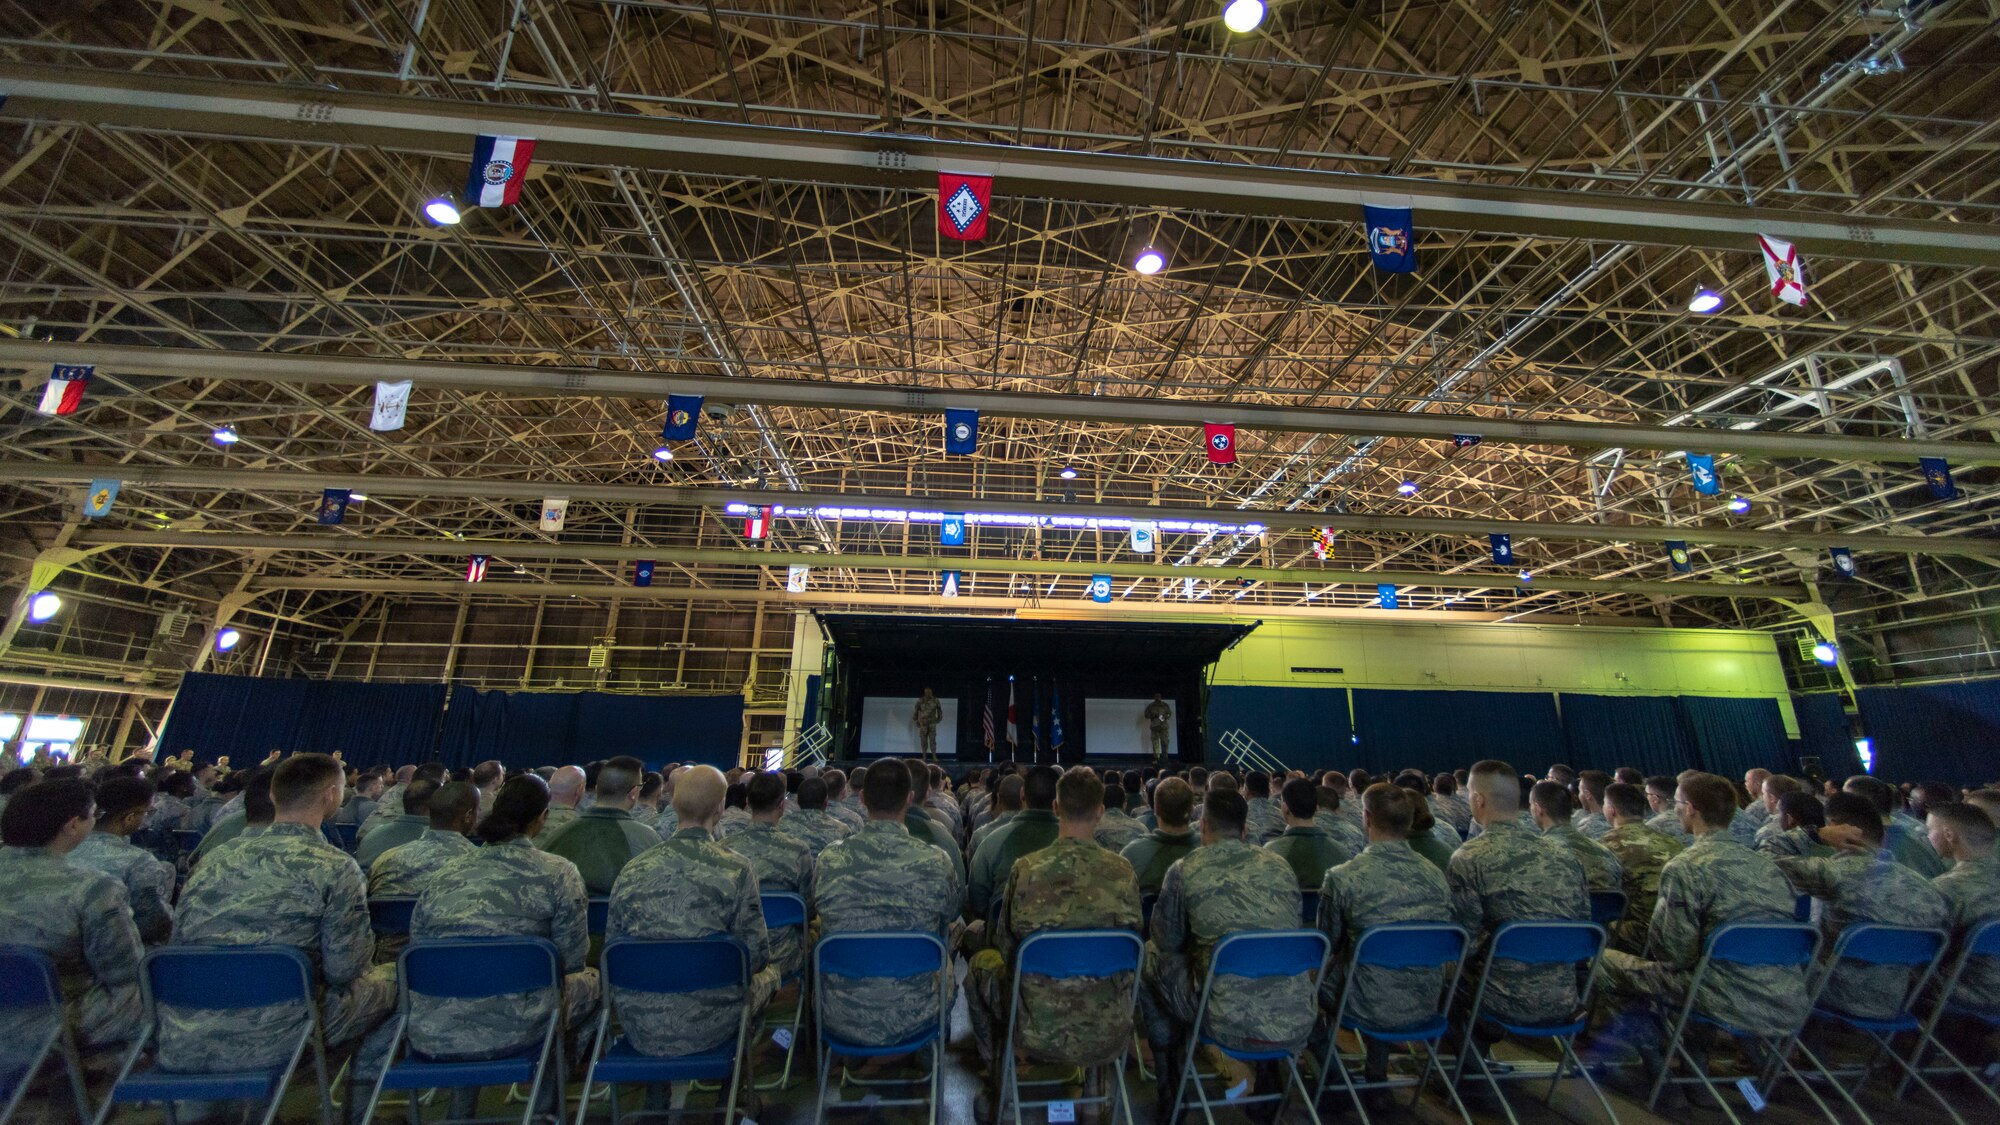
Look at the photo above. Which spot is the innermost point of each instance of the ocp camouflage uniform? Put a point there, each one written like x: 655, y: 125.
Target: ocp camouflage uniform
x: 1668, y: 822
x: 882, y: 878
x: 1506, y: 874
x: 285, y: 886
x: 1069, y: 885
x: 1310, y: 852
x: 1971, y: 891
x: 406, y: 871
x: 1217, y: 890
x: 689, y: 887
x: 782, y: 862
x: 1388, y: 882
x: 1601, y: 870
x: 148, y: 882
x: 1117, y: 830
x: 1263, y: 822
x: 1153, y: 854
x: 816, y: 828
x: 1345, y: 831
x: 1642, y: 853
x: 80, y: 919
x: 1858, y: 889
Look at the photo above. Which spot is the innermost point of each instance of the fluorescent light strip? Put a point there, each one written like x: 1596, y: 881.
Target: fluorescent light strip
x: 1000, y: 519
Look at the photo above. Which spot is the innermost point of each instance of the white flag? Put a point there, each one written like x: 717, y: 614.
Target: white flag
x: 1187, y: 588
x: 1142, y: 538
x: 1785, y: 268
x: 555, y: 509
x: 392, y: 401
x: 795, y: 579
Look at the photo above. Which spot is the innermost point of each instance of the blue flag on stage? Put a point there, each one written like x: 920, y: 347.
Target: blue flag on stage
x: 961, y: 431
x: 1937, y: 474
x: 1100, y: 587
x: 1843, y: 562
x: 1392, y: 238
x: 1055, y: 718
x: 1503, y: 549
x: 1035, y: 718
x: 642, y: 572
x: 333, y: 506
x: 951, y: 529
x: 1701, y: 468
x: 1677, y: 554
x: 97, y: 500
x: 683, y: 415
x: 1385, y: 595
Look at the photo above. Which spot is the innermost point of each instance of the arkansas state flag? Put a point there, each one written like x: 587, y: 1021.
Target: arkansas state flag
x: 1785, y: 268
x: 64, y: 391
x: 962, y: 205
x: 1221, y: 442
x: 499, y: 168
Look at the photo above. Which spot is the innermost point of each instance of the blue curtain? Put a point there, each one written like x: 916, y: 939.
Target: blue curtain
x: 525, y: 729
x: 1823, y: 733
x: 1936, y: 732
x: 246, y: 718
x: 1733, y: 736
x: 1436, y: 731
x: 1604, y: 732
x: 811, y: 713
x: 1307, y: 728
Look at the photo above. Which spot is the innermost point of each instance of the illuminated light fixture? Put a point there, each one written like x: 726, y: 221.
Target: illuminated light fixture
x: 1738, y: 505
x: 1705, y: 301
x: 997, y: 519
x: 226, y: 435
x: 1527, y: 576
x: 1068, y: 472
x: 1826, y: 653
x: 1243, y: 16
x: 356, y: 497
x: 44, y: 606
x: 226, y: 640
x: 442, y: 211
x: 1149, y: 261
x: 1407, y: 488
x: 663, y: 454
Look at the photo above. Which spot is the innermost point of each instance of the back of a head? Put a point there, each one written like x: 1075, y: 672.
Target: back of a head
x: 1593, y: 782
x: 698, y: 794
x: 1986, y: 801
x: 650, y: 784
x: 1300, y: 799
x: 1008, y: 795
x: 1496, y: 781
x: 886, y: 789
x: 1415, y: 782
x: 920, y: 780
x: 418, y: 795
x: 1327, y: 798
x: 812, y: 793
x: 1445, y: 785
x: 520, y: 800
x: 486, y: 773
x: 257, y: 806
x: 451, y: 801
x: 736, y: 796
x: 1173, y: 800
x: 1197, y: 778
x: 1779, y: 785
x: 1358, y: 779
x: 1558, y: 773
x: 1856, y: 811
x: 618, y: 776
x: 1875, y: 790
x: 1661, y: 784
x: 300, y: 779
x: 1554, y: 800
x: 1804, y: 809
x: 1257, y: 783
x: 836, y: 783
x: 119, y: 795
x: 1929, y: 794
x: 1079, y: 794
x: 1628, y: 775
x: 1038, y: 789
x: 1422, y: 819
x: 36, y: 815
x: 1712, y: 798
x: 1970, y: 821
x: 15, y: 780
x: 1224, y: 812
x: 435, y: 771
x: 1114, y: 795
x: 1625, y: 799
x: 765, y: 792
x: 1391, y: 808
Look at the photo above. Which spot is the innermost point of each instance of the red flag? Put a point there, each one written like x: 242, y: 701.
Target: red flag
x: 962, y: 205
x: 1221, y: 443
x: 757, y: 524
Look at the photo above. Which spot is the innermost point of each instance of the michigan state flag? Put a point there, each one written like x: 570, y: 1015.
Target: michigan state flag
x: 1100, y: 587
x: 1701, y: 469
x: 1503, y: 549
x: 1677, y: 554
x: 683, y: 415
x: 1385, y: 595
x: 1937, y: 474
x: 1392, y: 238
x: 961, y: 432
x: 1843, y: 562
x: 333, y: 506
x: 951, y: 530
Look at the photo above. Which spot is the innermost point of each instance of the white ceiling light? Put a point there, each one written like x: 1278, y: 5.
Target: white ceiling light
x: 442, y: 211
x: 1705, y: 301
x: 44, y: 606
x: 1149, y: 261
x: 226, y: 435
x: 226, y: 640
x: 1243, y: 16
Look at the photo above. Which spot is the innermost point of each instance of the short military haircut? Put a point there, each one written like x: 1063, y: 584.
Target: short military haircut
x: 1223, y: 779
x: 1327, y: 797
x: 920, y: 780
x: 1299, y: 798
x: 836, y: 783
x: 1498, y: 782
x: 435, y: 771
x: 301, y: 778
x: 1970, y: 821
x: 737, y: 796
x: 812, y: 793
x: 1038, y: 789
x: 1114, y: 795
x: 417, y: 796
x: 1628, y: 775
x: 1593, y: 783
x: 450, y: 801
x: 1007, y: 794
x: 1712, y: 798
x: 1856, y: 811
x: 1625, y: 799
x: 765, y: 791
x: 35, y: 816
x: 1780, y: 784
x: 1662, y: 784
x: 1224, y: 812
x: 1874, y: 789
x: 1804, y: 809
x: 619, y: 776
x: 119, y: 795
x: 1553, y: 800
x: 1445, y: 785
x: 1390, y: 807
x: 1197, y: 777
x: 1256, y: 783
x: 1079, y: 794
x: 886, y: 788
x: 1557, y: 772
x: 13, y: 781
x: 1173, y: 800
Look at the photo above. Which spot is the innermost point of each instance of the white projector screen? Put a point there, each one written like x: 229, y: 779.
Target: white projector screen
x: 1119, y: 726
x: 887, y: 727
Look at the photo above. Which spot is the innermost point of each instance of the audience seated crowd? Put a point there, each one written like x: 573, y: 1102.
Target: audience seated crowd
x: 103, y: 860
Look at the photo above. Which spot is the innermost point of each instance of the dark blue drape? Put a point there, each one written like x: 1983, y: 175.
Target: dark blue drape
x: 1935, y: 732
x: 1603, y: 732
x: 1439, y: 731
x: 1733, y: 736
x: 1307, y: 728
x: 526, y: 729
x: 1823, y: 732
x: 246, y: 718
x: 811, y: 713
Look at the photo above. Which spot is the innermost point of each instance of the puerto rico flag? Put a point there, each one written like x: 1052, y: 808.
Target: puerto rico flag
x: 499, y: 168
x: 475, y: 569
x: 64, y: 391
x: 757, y: 525
x: 1785, y: 268
x: 1221, y: 442
x: 963, y: 202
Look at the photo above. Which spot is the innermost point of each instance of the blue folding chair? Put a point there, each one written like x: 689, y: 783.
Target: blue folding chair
x: 597, y: 916
x: 1253, y: 955
x: 222, y: 978
x: 1607, y: 907
x: 1802, y: 909
x: 784, y: 910
x: 1539, y: 943
x: 1071, y: 955
x: 477, y: 969
x: 1917, y: 952
x: 391, y: 914
x: 1394, y: 946
x: 881, y: 955
x: 28, y: 991
x: 1982, y: 941
x: 667, y: 967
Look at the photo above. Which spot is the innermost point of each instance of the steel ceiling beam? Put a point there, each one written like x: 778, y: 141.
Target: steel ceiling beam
x: 153, y: 102
x: 265, y: 367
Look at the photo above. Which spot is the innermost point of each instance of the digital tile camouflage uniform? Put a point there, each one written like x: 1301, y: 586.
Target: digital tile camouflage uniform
x: 883, y: 878
x: 1215, y: 891
x: 1507, y: 873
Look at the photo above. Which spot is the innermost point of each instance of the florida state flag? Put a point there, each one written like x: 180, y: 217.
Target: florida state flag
x: 1221, y: 442
x: 962, y: 205
x: 1785, y: 269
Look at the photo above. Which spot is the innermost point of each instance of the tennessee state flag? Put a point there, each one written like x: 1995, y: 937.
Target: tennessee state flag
x: 1221, y: 442
x: 963, y: 202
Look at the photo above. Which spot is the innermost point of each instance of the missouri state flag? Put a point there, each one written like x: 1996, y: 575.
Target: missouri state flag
x: 1392, y: 238
x: 963, y: 202
x: 63, y: 393
x: 1220, y: 440
x: 499, y: 168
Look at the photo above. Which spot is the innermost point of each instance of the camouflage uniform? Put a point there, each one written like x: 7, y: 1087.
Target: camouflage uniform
x: 1792, y: 842
x: 284, y: 886
x: 79, y: 918
x: 882, y: 878
x: 406, y: 871
x: 1069, y: 885
x: 1743, y: 830
x: 1911, y: 848
x: 1668, y: 823
x: 1154, y: 853
x: 848, y: 809
x: 927, y: 716
x: 1642, y: 853
x: 1509, y: 874
x: 1345, y: 830
x: 558, y: 816
x: 1450, y: 810
x: 148, y: 882
x: 1971, y: 893
x: 667, y: 823
x: 387, y: 808
x: 1263, y: 823
x: 944, y: 810
x: 392, y: 833
x: 167, y: 813
x: 600, y: 842
x: 1591, y: 824
x: 1030, y: 831
x: 981, y: 833
x: 1217, y: 890
x: 1159, y: 719
x: 782, y: 862
x: 1601, y: 870
x: 689, y: 887
x: 1117, y: 830
x: 926, y: 827
x: 816, y: 828
x: 1388, y: 882
x: 1858, y: 889
x: 1311, y: 854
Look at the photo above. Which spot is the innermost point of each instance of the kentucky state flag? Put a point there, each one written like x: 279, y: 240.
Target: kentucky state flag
x: 1701, y: 469
x: 951, y: 530
x: 683, y: 416
x: 499, y: 168
x: 1677, y: 554
x: 333, y: 506
x: 63, y: 393
x: 1937, y: 474
x: 961, y: 432
x: 97, y: 500
x: 963, y: 202
x: 1392, y: 238
x: 1503, y: 549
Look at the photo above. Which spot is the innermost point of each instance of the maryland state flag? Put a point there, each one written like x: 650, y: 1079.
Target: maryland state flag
x: 1323, y: 544
x: 1221, y: 442
x: 963, y: 202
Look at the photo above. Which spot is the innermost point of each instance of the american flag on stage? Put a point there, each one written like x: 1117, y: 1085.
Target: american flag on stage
x: 475, y: 569
x: 64, y: 390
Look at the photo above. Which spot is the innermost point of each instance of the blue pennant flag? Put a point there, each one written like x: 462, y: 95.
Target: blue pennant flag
x: 961, y: 431
x: 951, y: 530
x: 1843, y: 562
x: 642, y: 572
x: 102, y: 494
x: 1937, y: 474
x: 683, y: 415
x: 1677, y: 554
x: 1385, y: 595
x: 950, y: 584
x: 333, y: 506
x: 1100, y: 587
x: 1392, y: 238
x: 1701, y: 467
x: 1503, y: 549
x: 1055, y: 717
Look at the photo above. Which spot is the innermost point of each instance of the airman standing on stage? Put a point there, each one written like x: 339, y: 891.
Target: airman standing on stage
x: 929, y: 714
x: 1159, y: 717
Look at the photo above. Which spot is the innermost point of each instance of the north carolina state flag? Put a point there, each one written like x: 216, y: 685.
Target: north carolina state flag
x: 1221, y: 442
x: 962, y: 205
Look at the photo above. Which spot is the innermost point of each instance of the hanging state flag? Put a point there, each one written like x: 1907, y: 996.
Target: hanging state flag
x: 1385, y: 595
x: 951, y: 529
x: 1187, y: 588
x: 499, y: 168
x: 1055, y: 717
x: 796, y: 578
x: 961, y: 432
x: 1785, y: 268
x: 1701, y: 469
x: 1677, y: 554
x: 963, y: 201
x: 1843, y: 562
x: 1100, y: 587
x: 1144, y: 536
x: 1221, y: 442
x: 475, y: 569
x: 1013, y: 726
x: 1322, y: 544
x: 1392, y: 238
x: 1937, y: 474
x: 63, y: 393
x: 757, y: 525
x: 949, y: 584
x: 1503, y: 549
x: 986, y: 718
x: 392, y: 405
x: 642, y: 572
x: 99, y: 497
x: 1465, y: 441
x: 333, y: 506
x: 555, y: 511
x: 683, y: 415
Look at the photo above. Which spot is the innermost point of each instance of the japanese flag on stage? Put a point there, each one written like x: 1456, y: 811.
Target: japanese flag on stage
x: 962, y: 205
x: 1785, y: 268
x: 1013, y: 727
x: 1221, y: 442
x: 64, y: 391
x: 499, y: 168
